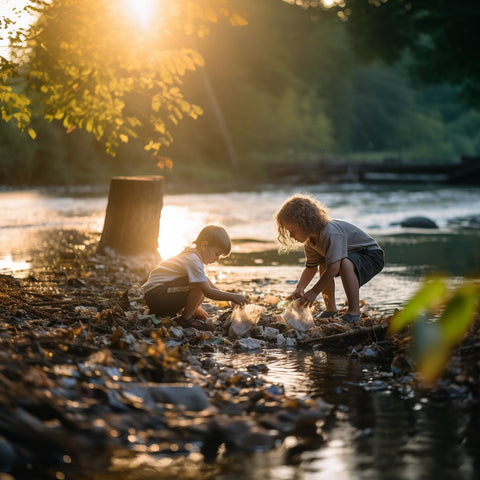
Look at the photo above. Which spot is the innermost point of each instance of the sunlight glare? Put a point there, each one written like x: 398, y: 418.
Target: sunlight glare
x: 13, y: 9
x: 9, y: 266
x: 142, y: 10
x: 179, y: 226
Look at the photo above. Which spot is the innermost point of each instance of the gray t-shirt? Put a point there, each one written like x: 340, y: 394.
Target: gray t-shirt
x: 186, y: 264
x: 335, y: 241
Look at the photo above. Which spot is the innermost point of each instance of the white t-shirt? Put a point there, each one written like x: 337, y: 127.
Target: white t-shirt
x: 186, y: 264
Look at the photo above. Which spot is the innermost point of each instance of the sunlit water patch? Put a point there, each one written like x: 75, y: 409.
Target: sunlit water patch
x: 8, y: 265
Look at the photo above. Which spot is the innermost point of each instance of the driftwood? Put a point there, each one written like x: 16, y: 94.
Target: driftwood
x: 338, y: 340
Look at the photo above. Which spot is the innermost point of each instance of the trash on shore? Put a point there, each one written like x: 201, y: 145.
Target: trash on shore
x: 88, y: 375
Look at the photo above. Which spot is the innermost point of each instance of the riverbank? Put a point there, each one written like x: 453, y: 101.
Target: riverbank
x: 92, y: 381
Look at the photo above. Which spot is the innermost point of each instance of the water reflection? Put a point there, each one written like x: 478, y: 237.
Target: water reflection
x: 8, y: 265
x: 377, y: 434
x: 302, y: 374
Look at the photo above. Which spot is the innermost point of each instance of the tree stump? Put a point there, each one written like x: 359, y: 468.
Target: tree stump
x: 132, y: 219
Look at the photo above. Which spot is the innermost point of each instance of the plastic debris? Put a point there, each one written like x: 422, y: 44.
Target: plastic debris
x: 298, y: 317
x: 244, y: 319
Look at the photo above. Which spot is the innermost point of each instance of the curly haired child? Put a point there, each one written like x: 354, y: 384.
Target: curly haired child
x: 332, y: 248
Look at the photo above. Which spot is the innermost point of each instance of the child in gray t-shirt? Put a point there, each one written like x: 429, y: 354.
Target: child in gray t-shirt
x: 333, y: 248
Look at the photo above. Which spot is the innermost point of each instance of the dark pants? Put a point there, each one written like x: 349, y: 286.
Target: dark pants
x: 169, y: 298
x: 368, y: 262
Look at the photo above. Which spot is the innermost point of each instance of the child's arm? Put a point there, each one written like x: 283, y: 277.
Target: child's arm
x: 305, y: 278
x: 215, y: 293
x: 328, y: 275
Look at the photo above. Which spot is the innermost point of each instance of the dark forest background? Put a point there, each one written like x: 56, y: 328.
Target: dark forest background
x: 291, y: 85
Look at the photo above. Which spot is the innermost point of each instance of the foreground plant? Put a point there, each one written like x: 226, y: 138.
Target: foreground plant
x: 440, y: 317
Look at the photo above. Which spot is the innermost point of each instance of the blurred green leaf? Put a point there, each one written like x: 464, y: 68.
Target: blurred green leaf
x: 459, y: 312
x: 429, y: 348
x: 427, y: 298
x: 434, y: 339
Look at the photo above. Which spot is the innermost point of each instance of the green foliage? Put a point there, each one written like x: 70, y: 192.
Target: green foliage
x: 434, y: 339
x: 441, y: 38
x: 14, y: 105
x: 89, y: 68
x: 286, y: 85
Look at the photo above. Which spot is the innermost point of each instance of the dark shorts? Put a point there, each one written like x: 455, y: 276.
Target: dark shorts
x: 368, y: 262
x: 169, y: 298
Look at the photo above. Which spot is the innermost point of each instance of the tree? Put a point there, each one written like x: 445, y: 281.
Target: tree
x: 87, y: 65
x: 440, y: 37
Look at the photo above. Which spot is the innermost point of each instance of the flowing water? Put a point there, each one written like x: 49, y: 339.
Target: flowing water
x: 381, y: 436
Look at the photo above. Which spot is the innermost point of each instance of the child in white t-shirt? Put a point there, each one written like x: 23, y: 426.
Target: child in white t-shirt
x: 181, y: 283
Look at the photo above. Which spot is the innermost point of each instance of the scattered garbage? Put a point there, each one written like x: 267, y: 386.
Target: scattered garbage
x: 88, y: 373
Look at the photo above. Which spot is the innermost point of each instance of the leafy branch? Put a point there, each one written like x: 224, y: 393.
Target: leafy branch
x: 86, y: 65
x: 440, y: 317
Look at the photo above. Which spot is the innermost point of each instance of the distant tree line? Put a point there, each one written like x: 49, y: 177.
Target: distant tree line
x: 288, y: 85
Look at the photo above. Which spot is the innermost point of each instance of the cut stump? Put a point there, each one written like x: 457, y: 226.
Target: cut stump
x: 132, y: 219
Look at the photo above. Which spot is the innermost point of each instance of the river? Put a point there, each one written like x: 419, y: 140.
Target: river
x: 248, y: 216
x: 379, y: 435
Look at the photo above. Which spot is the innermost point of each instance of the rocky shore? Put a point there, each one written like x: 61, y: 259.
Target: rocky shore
x: 90, y: 380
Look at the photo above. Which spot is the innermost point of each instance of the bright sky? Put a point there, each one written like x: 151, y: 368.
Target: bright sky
x: 141, y: 11
x: 6, y: 10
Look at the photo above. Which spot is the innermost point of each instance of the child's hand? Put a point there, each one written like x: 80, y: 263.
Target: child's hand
x: 297, y: 293
x: 308, y: 299
x: 238, y: 299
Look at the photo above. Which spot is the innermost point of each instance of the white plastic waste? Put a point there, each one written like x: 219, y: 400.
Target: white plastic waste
x: 244, y: 319
x: 298, y: 317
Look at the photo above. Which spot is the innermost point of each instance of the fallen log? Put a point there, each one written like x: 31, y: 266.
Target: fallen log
x: 338, y: 340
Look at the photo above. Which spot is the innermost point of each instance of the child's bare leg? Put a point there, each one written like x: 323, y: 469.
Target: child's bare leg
x: 200, y: 313
x: 350, y: 285
x: 328, y: 292
x: 194, y: 300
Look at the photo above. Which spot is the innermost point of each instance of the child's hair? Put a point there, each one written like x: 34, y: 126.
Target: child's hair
x: 306, y: 212
x: 215, y: 235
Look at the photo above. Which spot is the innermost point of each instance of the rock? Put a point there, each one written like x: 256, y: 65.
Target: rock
x: 176, y: 332
x: 290, y: 342
x: 270, y: 333
x: 280, y: 340
x: 418, y: 222
x: 189, y: 395
x: 249, y: 343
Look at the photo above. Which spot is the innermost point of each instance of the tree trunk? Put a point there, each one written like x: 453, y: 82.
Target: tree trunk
x: 132, y: 219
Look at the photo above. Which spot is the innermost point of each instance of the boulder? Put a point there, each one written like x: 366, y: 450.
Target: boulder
x: 418, y: 222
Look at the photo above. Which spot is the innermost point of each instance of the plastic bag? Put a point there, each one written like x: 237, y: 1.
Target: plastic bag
x: 298, y: 317
x: 244, y: 319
